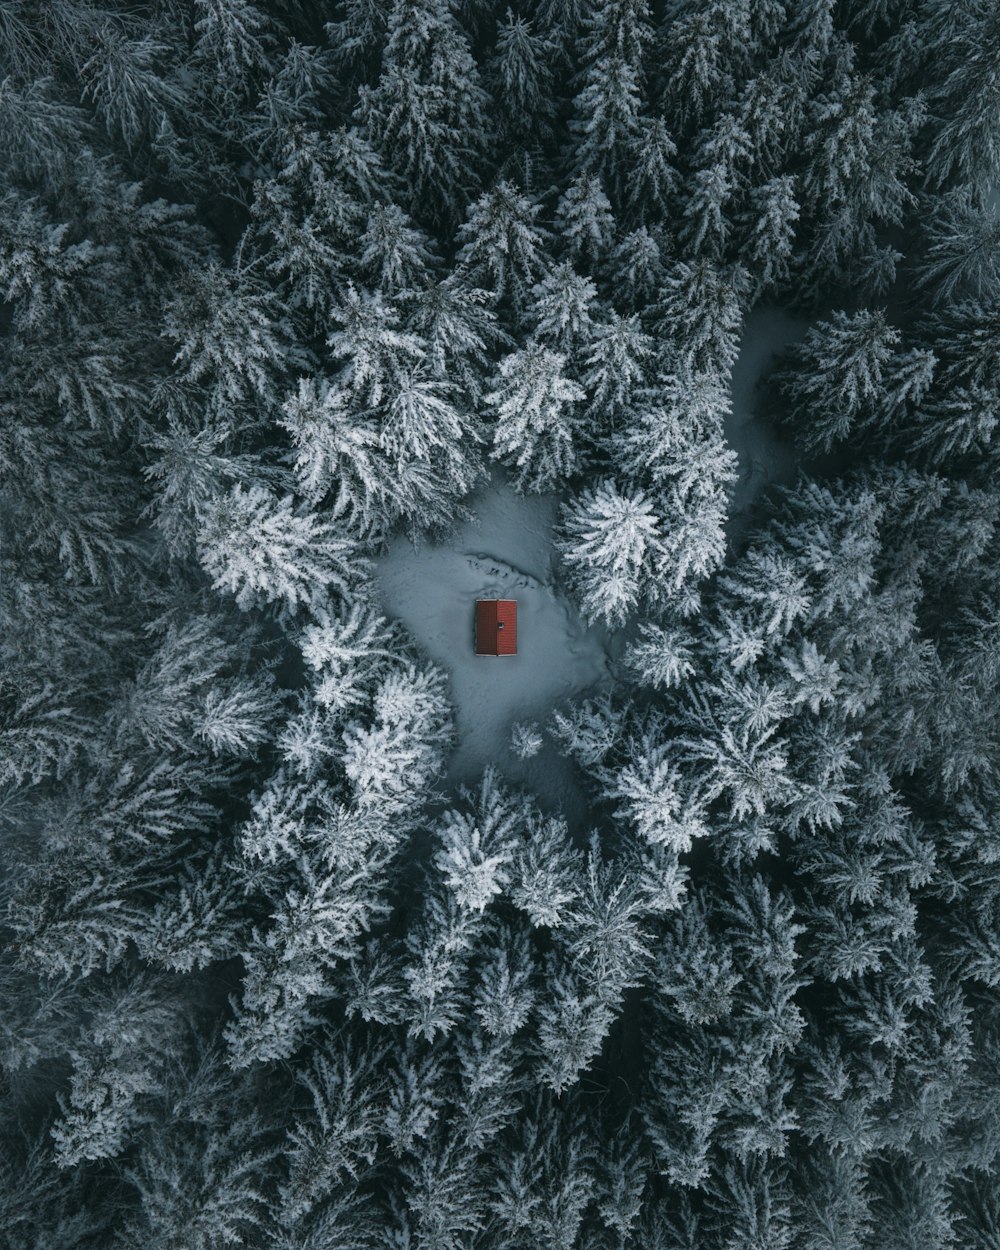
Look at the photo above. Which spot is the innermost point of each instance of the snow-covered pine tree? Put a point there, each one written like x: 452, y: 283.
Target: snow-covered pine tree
x: 536, y: 417
x: 260, y: 548
x: 562, y: 304
x: 503, y: 246
x: 654, y: 181
x: 608, y: 106
x: 584, y: 220
x: 336, y: 456
x: 966, y: 140
x: 427, y: 113
x: 521, y: 74
x: 960, y: 261
x: 839, y: 376
x: 700, y: 312
x: 610, y: 540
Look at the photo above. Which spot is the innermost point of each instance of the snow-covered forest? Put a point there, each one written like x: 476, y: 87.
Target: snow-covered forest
x: 694, y: 944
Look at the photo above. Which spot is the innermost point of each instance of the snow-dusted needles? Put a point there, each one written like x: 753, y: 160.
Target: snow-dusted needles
x: 669, y: 334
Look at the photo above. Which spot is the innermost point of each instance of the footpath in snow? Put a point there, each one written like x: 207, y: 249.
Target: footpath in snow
x: 504, y: 553
x: 766, y: 457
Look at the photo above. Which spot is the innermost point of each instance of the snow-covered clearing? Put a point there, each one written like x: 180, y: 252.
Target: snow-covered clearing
x: 506, y: 553
x: 766, y: 456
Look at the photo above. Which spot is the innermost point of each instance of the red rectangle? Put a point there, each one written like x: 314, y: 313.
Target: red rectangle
x: 496, y: 627
x: 486, y: 627
x: 506, y: 627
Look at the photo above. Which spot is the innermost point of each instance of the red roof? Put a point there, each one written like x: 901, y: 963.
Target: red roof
x: 496, y: 627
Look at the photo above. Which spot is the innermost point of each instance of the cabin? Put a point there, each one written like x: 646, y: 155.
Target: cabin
x: 496, y: 627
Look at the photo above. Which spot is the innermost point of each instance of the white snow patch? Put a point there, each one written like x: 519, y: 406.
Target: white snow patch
x: 504, y: 553
x: 766, y: 456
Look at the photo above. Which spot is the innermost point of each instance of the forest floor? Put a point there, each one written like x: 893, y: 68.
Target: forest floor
x: 505, y: 552
x: 766, y: 457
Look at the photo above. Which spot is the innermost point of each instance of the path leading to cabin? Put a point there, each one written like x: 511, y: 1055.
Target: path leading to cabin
x: 505, y: 553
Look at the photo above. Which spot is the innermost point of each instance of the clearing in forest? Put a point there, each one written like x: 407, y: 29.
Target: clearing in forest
x: 505, y: 552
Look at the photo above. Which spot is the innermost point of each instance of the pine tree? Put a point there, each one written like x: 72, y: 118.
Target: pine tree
x: 769, y: 226
x: 422, y: 423
x: 377, y: 355
x: 654, y: 181
x: 610, y: 541
x: 39, y: 1201
x: 337, y: 456
x: 960, y: 261
x: 525, y: 740
x: 607, y: 119
x: 573, y: 1023
x: 662, y: 656
x: 338, y: 1140
x: 202, y: 1179
x: 701, y: 311
x: 503, y: 248
x: 651, y: 795
x: 701, y: 51
x: 615, y: 368
x: 503, y: 997
x: 44, y: 275
x: 41, y: 132
x: 296, y: 94
x: 347, y: 650
x: 857, y: 178
x: 306, y: 217
x: 196, y: 687
x: 122, y: 80
x: 841, y: 377
x: 85, y: 911
x: 116, y: 1066
x: 639, y: 261
x: 427, y: 114
x: 259, y: 548
x: 229, y: 337
x: 562, y: 304
x: 535, y: 403
x: 750, y: 1205
x: 707, y: 226
x: 458, y: 327
x: 399, y: 752
x: 521, y: 70
x: 966, y: 139
x: 584, y: 220
x: 475, y: 853
x: 357, y: 37
x: 231, y: 48
x: 546, y: 868
x: 588, y: 730
x: 394, y: 254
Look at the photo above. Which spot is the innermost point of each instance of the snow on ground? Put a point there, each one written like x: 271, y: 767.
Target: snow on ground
x: 766, y: 456
x: 504, y: 553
